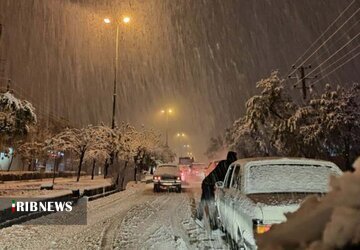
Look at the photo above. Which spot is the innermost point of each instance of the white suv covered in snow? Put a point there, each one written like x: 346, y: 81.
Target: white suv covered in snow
x: 256, y: 193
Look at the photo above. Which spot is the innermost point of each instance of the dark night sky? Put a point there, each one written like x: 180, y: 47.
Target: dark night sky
x: 200, y: 57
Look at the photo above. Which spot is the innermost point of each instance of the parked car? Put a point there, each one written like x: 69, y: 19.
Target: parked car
x: 167, y: 176
x: 257, y: 193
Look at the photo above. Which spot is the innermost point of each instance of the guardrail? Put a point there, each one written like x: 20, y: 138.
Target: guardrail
x: 8, y: 218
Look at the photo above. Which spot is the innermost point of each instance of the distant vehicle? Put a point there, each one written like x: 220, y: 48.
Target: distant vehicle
x: 198, y: 169
x: 167, y: 176
x: 212, y: 165
x: 185, y: 160
x: 256, y: 193
x: 184, y: 165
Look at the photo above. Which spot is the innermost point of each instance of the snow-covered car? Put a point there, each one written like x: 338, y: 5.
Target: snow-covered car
x: 167, y: 176
x: 257, y: 193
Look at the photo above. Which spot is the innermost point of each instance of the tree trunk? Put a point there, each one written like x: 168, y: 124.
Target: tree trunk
x: 123, y: 174
x: 11, y: 161
x: 80, y: 164
x: 135, y: 173
x: 93, y: 169
x: 347, y: 155
x: 106, y: 166
x: 29, y: 165
x: 54, y: 173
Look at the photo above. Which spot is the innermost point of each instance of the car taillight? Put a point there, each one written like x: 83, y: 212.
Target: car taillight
x: 259, y: 227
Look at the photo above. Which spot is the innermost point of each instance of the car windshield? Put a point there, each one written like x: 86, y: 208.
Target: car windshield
x: 286, y: 178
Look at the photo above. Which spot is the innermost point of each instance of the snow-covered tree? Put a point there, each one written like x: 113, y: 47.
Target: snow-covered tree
x: 257, y: 133
x: 30, y: 151
x: 164, y: 154
x: 16, y: 118
x: 274, y: 125
x: 216, y: 144
x: 330, y: 124
x: 81, y: 141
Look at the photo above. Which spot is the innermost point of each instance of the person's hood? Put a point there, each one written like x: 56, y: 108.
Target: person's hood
x: 231, y: 157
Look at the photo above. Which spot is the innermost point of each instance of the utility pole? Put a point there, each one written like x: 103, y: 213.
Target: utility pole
x: 303, y: 77
x: 8, y: 85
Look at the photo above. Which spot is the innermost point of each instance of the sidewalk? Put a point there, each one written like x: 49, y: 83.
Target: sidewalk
x: 31, y: 188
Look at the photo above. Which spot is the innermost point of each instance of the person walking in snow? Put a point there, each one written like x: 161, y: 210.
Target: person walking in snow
x: 208, y: 189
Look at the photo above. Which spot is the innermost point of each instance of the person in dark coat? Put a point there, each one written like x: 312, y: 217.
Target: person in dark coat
x: 208, y: 184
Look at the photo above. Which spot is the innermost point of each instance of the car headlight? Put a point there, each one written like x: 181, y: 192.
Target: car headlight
x: 178, y: 178
x: 157, y: 178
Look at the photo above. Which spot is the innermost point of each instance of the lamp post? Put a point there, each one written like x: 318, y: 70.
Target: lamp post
x: 167, y: 112
x: 108, y: 21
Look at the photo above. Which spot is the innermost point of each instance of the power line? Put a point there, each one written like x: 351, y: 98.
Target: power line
x: 338, y: 40
x: 331, y: 56
x: 339, y: 59
x: 303, y: 78
x: 351, y: 58
x: 322, y: 34
x: 331, y: 36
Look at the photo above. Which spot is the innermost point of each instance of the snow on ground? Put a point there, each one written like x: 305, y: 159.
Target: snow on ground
x: 31, y: 188
x: 133, y: 219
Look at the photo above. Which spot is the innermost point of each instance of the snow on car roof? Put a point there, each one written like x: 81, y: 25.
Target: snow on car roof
x: 167, y: 169
x: 288, y: 175
x: 244, y: 161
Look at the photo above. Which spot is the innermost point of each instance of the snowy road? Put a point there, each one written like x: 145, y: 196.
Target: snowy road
x: 134, y: 219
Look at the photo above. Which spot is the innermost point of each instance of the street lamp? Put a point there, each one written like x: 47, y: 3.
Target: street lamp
x: 167, y: 112
x: 180, y: 135
x: 108, y: 21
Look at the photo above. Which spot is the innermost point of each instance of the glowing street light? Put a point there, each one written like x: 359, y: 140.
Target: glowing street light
x: 126, y: 19
x: 167, y: 112
x: 108, y: 21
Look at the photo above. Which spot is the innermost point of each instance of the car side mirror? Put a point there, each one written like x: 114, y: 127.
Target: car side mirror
x: 219, y: 184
